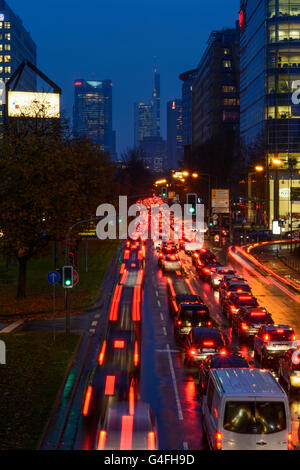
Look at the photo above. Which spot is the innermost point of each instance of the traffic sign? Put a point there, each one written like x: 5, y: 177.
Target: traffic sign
x: 75, y: 277
x: 53, y: 277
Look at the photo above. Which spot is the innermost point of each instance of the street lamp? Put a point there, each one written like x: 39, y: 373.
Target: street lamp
x: 259, y: 169
x: 195, y: 175
x: 276, y: 164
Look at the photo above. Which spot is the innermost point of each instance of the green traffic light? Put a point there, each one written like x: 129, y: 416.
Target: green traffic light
x: 68, y: 283
x: 192, y: 210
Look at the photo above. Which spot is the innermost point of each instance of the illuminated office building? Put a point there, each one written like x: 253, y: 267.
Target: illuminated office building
x: 270, y: 63
x: 187, y: 79
x: 143, y: 122
x: 92, y: 115
x: 174, y: 132
x: 16, y: 45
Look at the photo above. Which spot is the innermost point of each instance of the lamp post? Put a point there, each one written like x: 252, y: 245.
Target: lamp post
x: 276, y: 164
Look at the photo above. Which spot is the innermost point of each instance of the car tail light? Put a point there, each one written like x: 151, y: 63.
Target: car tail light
x: 293, y: 337
x: 102, y: 353
x: 110, y: 385
x: 209, y: 323
x: 102, y: 440
x: 290, y: 441
x: 208, y: 343
x: 192, y: 352
x: 136, y: 357
x: 245, y: 327
x: 233, y: 309
x: 223, y: 352
x: 151, y: 440
x: 219, y: 439
x: 267, y: 338
x: 119, y: 344
x: 206, y: 270
x: 245, y: 297
x: 87, y: 400
x: 257, y: 314
x: 179, y: 323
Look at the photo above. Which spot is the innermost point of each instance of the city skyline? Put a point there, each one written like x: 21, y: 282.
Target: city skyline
x: 128, y: 61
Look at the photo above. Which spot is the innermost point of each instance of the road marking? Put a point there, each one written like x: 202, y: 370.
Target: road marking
x: 162, y: 316
x: 92, y: 331
x: 97, y: 316
x: 175, y: 351
x: 158, y: 303
x: 95, y: 323
x: 185, y: 446
x: 157, y: 294
x: 180, y: 415
x: 12, y: 326
x: 165, y: 331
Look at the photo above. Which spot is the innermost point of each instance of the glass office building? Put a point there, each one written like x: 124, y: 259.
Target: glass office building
x: 143, y: 122
x: 93, y: 113
x: 270, y: 64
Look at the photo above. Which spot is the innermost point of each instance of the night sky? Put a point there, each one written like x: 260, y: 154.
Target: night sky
x: 118, y: 39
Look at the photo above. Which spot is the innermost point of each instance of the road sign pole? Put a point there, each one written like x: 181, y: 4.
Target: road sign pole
x: 54, y: 311
x: 68, y: 319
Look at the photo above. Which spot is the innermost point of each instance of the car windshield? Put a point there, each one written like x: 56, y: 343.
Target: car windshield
x: 259, y: 417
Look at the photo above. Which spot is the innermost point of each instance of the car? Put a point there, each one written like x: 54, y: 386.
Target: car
x: 191, y: 315
x: 203, y: 256
x: 272, y: 341
x: 176, y: 300
x: 169, y: 251
x: 171, y: 263
x: 249, y: 320
x: 219, y: 361
x: 204, y: 342
x: 236, y: 286
x: 216, y: 277
x: 246, y: 409
x: 128, y: 426
x: 260, y: 235
x: 289, y: 370
x: 235, y: 301
x: 205, y: 271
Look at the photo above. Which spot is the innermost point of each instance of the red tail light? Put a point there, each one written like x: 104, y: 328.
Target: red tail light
x: 192, y: 352
x: 206, y: 270
x: 136, y: 358
x: 179, y: 323
x: 233, y: 309
x: 245, y: 327
x: 102, y: 440
x: 219, y: 439
x: 151, y: 440
x: 223, y: 352
x: 293, y: 337
x: 267, y: 338
x: 119, y: 344
x: 110, y: 385
x: 87, y: 400
x: 102, y: 354
x: 208, y: 343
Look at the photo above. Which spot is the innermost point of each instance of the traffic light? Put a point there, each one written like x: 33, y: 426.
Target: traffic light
x: 164, y: 192
x: 68, y: 277
x: 192, y: 200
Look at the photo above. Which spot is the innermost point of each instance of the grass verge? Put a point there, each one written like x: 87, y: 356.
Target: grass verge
x: 39, y: 292
x: 29, y: 384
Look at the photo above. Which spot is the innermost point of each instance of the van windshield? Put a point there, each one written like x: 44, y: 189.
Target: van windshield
x: 260, y: 417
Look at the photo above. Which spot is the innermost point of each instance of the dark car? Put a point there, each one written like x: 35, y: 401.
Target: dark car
x: 249, y: 320
x: 191, y: 316
x: 234, y: 285
x: 204, y: 342
x: 234, y: 302
x: 176, y: 300
x: 206, y: 270
x: 260, y: 235
x: 202, y: 257
x: 219, y: 361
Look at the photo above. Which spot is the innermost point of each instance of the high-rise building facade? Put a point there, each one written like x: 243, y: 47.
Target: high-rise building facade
x: 174, y: 132
x: 187, y: 79
x: 215, y: 91
x: 16, y: 45
x: 143, y: 122
x: 92, y: 116
x: 270, y: 64
x: 154, y: 151
x: 156, y: 105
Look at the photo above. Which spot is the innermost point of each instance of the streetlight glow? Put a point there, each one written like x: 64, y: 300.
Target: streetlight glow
x: 259, y: 168
x: 277, y: 162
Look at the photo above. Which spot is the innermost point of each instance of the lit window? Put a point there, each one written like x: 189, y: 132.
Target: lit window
x: 228, y: 89
x: 6, y: 47
x: 1, y: 25
x: 7, y: 70
x: 1, y: 69
x: 1, y: 47
x: 1, y: 58
x: 6, y: 25
x: 226, y: 51
x: 227, y: 63
x: 7, y: 36
x: 7, y: 58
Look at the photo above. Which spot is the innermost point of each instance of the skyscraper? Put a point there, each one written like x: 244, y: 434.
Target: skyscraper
x: 16, y: 45
x: 187, y: 79
x: 270, y: 64
x: 143, y: 122
x: 156, y: 105
x: 174, y: 132
x: 93, y: 113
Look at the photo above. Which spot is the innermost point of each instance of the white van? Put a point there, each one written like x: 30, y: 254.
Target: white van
x: 246, y: 409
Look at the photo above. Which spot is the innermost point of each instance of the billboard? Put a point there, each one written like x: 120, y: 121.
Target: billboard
x: 33, y: 105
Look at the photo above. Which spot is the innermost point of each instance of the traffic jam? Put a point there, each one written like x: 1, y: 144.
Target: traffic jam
x: 243, y: 364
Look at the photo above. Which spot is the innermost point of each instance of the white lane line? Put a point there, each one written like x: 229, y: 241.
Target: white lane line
x: 12, y: 326
x: 162, y: 316
x: 158, y: 303
x: 165, y: 331
x: 93, y: 331
x: 173, y: 351
x: 98, y: 315
x: 157, y: 293
x: 94, y: 323
x: 185, y: 446
x: 180, y: 415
